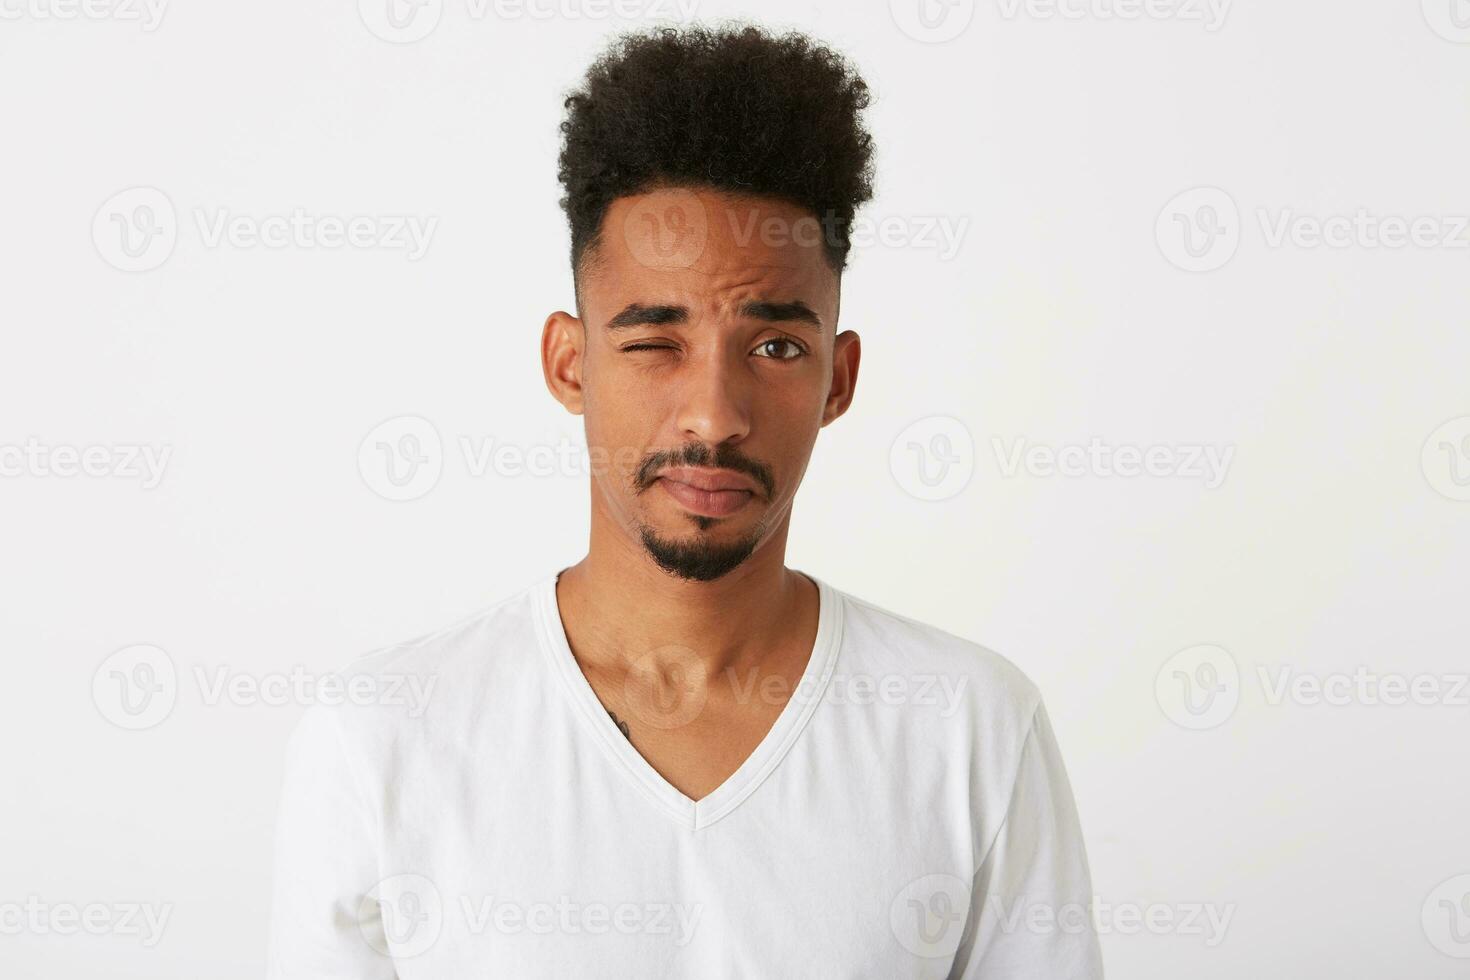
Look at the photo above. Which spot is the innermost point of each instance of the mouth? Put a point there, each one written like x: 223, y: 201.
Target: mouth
x: 709, y: 493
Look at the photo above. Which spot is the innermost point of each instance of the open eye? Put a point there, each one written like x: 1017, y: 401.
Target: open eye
x: 792, y: 348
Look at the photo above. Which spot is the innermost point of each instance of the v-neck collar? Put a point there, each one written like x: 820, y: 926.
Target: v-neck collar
x: 695, y: 814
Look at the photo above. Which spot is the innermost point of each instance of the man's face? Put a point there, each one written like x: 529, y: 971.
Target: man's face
x: 705, y: 363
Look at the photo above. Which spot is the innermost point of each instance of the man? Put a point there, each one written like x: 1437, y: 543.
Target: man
x: 678, y: 757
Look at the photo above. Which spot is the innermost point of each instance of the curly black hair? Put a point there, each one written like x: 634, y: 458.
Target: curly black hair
x: 730, y: 108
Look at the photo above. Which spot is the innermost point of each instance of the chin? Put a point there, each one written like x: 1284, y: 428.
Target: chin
x: 699, y: 559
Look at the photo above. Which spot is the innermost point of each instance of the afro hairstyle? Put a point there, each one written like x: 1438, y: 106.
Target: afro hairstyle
x: 734, y: 109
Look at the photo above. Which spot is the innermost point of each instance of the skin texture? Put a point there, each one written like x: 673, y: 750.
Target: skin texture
x: 690, y: 629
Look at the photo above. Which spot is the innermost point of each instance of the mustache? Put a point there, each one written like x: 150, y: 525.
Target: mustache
x: 698, y: 454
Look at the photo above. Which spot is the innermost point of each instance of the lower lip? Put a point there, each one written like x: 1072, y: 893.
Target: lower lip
x: 709, y: 503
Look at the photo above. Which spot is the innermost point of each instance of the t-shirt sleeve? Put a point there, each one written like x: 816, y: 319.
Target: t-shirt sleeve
x: 1031, y: 897
x: 325, y: 864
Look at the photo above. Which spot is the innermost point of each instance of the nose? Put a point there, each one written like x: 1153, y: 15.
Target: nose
x: 713, y: 404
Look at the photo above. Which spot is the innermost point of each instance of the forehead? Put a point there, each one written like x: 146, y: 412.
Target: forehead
x: 711, y: 248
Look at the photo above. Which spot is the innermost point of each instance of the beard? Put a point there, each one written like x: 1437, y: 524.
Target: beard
x: 699, y: 560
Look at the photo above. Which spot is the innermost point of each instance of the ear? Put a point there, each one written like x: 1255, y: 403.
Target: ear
x: 562, y: 339
x: 847, y: 351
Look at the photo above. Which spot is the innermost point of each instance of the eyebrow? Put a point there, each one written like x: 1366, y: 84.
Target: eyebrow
x: 636, y: 314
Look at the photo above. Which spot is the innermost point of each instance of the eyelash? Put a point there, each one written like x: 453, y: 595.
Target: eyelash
x: 801, y: 351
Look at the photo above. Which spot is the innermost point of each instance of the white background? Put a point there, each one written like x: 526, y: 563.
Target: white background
x: 1338, y: 539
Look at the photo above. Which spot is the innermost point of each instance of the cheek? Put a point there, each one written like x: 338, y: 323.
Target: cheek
x: 618, y: 429
x: 794, y: 413
x: 616, y: 410
x: 787, y: 431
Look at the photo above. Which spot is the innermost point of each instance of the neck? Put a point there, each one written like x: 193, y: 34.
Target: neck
x: 618, y: 605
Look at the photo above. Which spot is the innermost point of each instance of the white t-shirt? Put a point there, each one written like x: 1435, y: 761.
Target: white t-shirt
x: 469, y: 809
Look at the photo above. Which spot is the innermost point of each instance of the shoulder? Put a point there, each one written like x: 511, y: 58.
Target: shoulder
x: 494, y: 632
x: 889, y: 640
x: 423, y: 686
x: 958, y: 714
x: 970, y: 690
